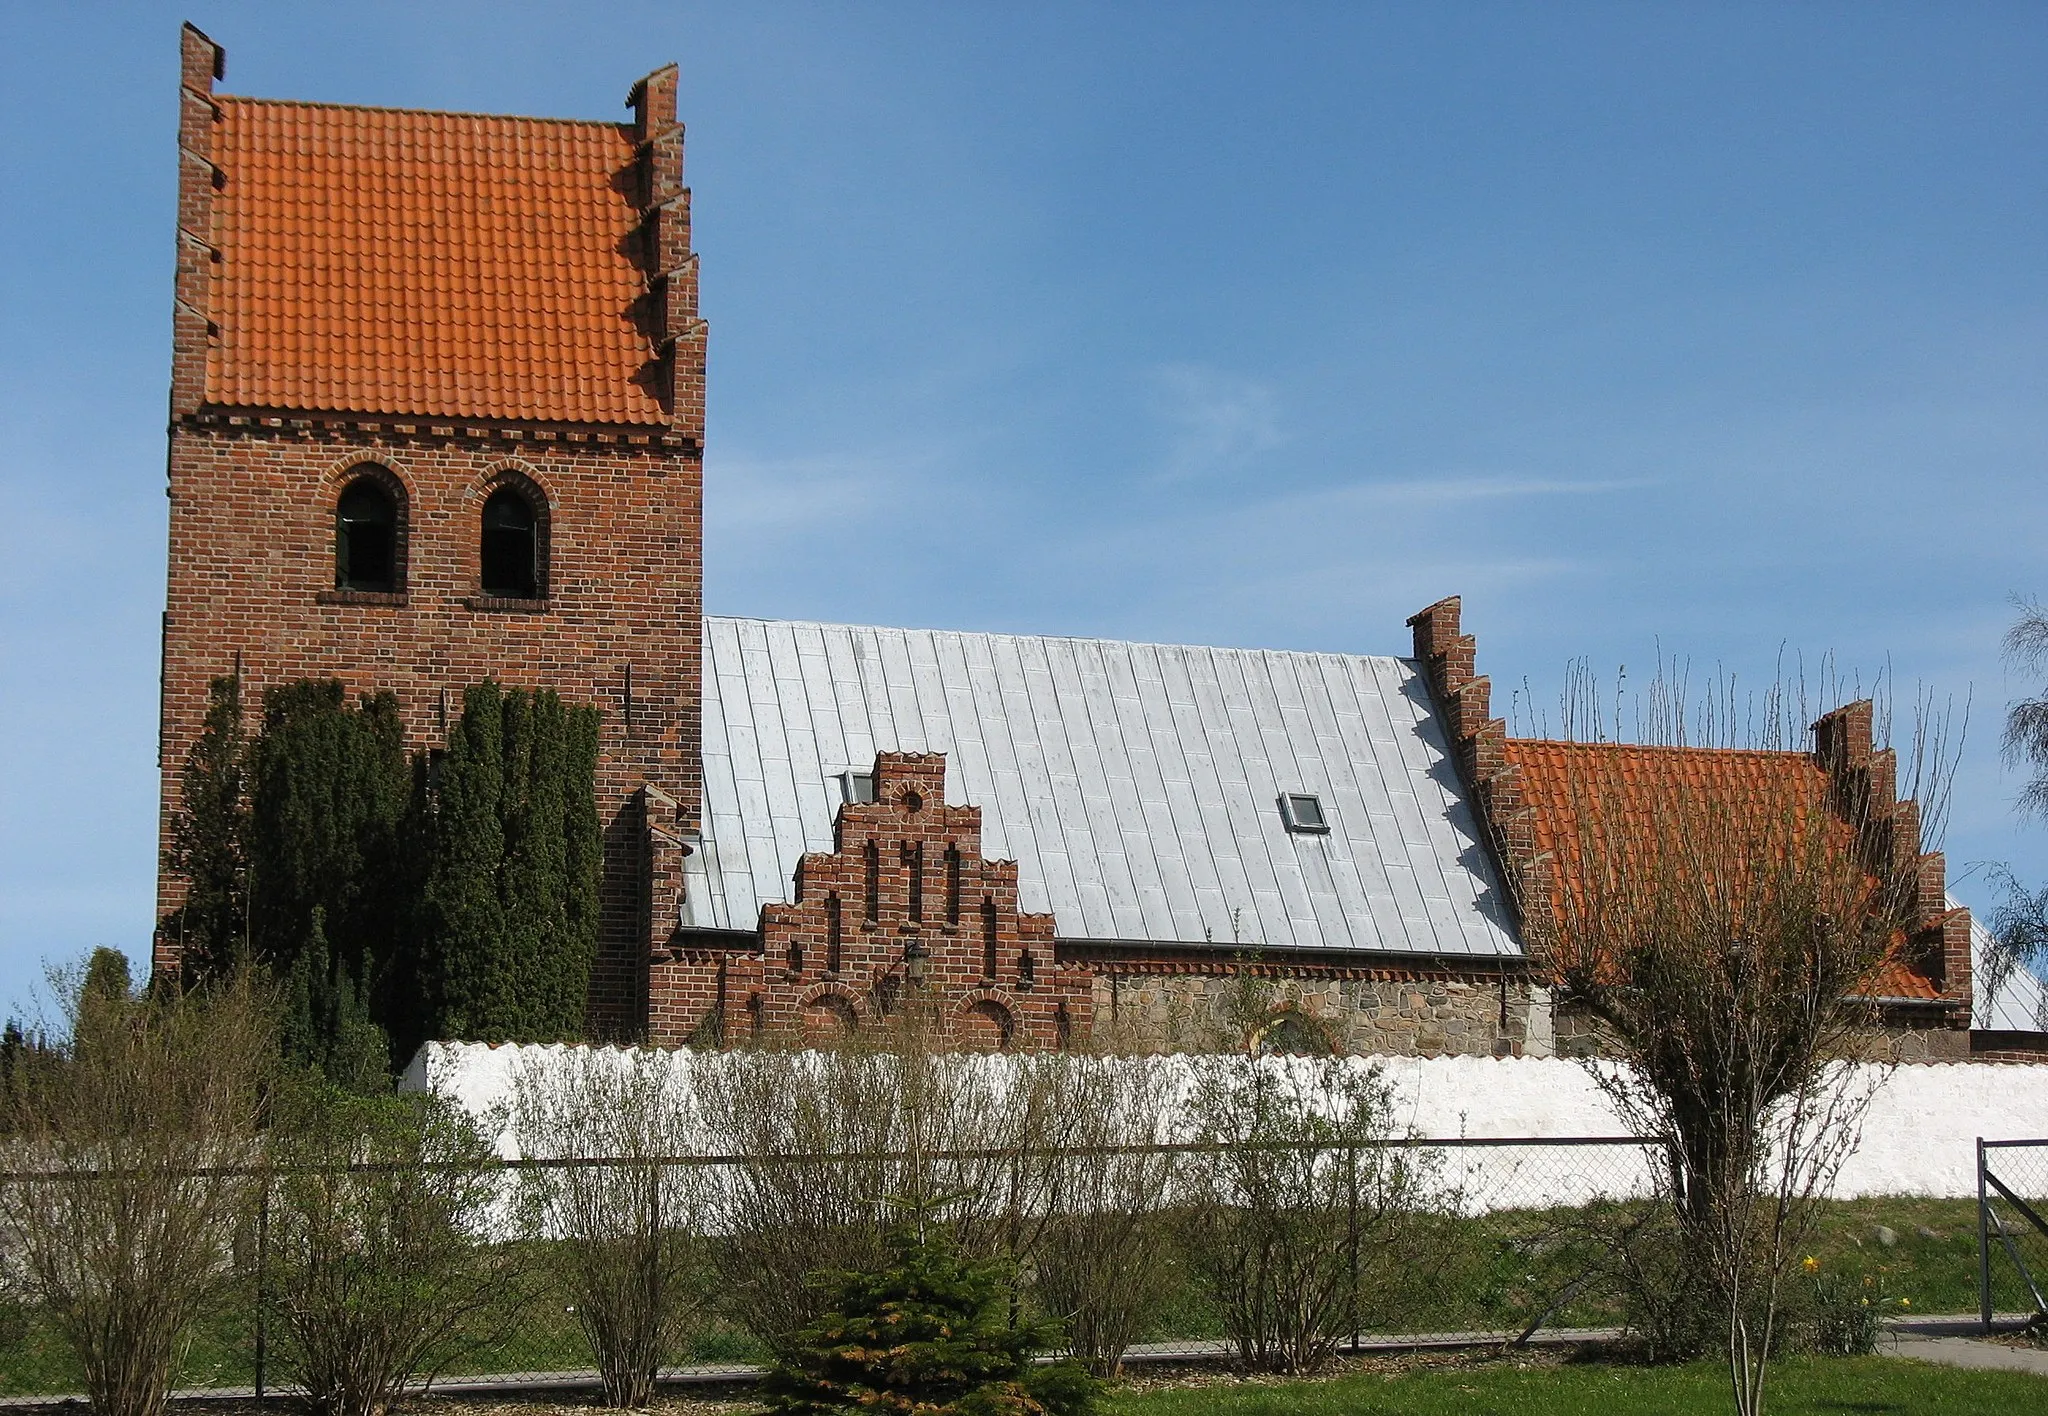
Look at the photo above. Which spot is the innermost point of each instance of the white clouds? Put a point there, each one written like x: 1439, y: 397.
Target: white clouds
x: 1214, y: 421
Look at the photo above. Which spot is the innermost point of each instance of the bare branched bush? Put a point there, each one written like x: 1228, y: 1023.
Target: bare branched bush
x: 830, y: 1138
x: 1302, y: 1223
x: 1727, y: 918
x: 1102, y: 1253
x: 624, y: 1237
x: 133, y: 1142
x: 381, y: 1234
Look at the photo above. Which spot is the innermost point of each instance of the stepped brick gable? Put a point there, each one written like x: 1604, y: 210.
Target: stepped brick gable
x: 904, y: 911
x: 1534, y: 794
x: 442, y: 307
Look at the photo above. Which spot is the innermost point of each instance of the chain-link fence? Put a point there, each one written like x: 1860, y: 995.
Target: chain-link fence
x: 2012, y: 1227
x: 1481, y: 1238
x: 1483, y: 1235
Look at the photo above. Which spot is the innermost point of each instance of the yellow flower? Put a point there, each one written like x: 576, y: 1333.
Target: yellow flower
x: 1905, y: 1302
x: 1812, y: 1264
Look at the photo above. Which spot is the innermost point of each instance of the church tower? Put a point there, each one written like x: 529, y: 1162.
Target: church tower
x: 437, y: 415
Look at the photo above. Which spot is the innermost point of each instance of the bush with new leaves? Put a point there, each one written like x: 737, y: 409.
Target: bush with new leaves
x: 379, y: 1230
x: 133, y: 1137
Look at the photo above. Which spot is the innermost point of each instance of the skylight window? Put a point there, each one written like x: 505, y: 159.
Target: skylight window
x: 856, y: 787
x: 1303, y: 811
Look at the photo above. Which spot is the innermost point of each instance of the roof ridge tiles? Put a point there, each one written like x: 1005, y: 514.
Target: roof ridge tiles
x: 253, y: 100
x: 1765, y: 752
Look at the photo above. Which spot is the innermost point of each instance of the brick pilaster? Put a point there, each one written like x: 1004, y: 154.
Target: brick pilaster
x: 201, y: 61
x: 679, y: 335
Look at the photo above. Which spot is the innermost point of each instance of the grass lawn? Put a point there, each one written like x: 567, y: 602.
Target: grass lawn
x: 1798, y: 1387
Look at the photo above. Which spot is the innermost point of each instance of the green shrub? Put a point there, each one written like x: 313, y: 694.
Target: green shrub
x: 930, y: 1333
x: 1302, y: 1225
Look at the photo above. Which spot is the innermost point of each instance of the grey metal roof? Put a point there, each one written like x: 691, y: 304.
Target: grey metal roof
x: 1136, y: 785
x: 2020, y: 1005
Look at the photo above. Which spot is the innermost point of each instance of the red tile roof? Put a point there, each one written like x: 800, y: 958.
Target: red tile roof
x: 1559, y: 780
x: 439, y: 264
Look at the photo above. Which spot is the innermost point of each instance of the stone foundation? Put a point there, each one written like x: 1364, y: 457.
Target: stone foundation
x: 1419, y: 1016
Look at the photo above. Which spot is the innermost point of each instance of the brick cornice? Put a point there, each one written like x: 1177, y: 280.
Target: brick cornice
x: 417, y: 430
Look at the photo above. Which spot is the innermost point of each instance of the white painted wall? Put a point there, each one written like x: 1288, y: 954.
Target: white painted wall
x: 1919, y: 1136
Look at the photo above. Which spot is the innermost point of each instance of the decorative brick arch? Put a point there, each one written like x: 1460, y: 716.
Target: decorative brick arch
x: 987, y: 1022
x: 512, y: 471
x: 346, y: 469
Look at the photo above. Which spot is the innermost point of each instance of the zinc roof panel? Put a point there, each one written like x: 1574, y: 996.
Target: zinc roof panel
x: 1134, y: 784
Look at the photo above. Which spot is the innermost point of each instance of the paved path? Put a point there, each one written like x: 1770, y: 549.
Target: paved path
x: 1953, y: 1340
x: 1959, y: 1342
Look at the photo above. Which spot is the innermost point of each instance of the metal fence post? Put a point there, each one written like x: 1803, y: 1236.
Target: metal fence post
x: 1983, y: 1242
x: 1351, y: 1225
x: 262, y: 1287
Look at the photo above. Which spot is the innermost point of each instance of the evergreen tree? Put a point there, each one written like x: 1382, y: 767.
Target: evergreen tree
x: 107, y: 977
x: 930, y: 1334
x: 465, y: 919
x: 207, y: 836
x: 330, y: 889
x: 511, y: 897
x: 327, y: 1024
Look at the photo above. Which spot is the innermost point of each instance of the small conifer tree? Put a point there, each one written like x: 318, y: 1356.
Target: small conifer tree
x: 931, y: 1333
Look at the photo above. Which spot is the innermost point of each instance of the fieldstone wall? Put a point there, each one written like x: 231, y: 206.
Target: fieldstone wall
x: 1227, y: 1011
x: 1579, y: 1035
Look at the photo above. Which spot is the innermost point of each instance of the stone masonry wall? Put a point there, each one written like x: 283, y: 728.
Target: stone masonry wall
x: 1366, y: 1012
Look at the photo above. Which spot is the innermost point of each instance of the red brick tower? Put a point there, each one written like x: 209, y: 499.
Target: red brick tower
x: 437, y: 414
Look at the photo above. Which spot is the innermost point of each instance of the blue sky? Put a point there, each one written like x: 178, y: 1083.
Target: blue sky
x: 1715, y: 330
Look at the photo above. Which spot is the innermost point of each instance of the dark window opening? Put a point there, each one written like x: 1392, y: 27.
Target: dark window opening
x: 796, y: 956
x: 832, y: 934
x: 952, y: 884
x: 988, y: 939
x: 913, y: 868
x: 366, y: 538
x: 1027, y: 970
x: 511, y: 546
x: 873, y: 861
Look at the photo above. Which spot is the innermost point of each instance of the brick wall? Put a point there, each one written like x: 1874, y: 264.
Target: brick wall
x: 903, y: 910
x: 252, y: 552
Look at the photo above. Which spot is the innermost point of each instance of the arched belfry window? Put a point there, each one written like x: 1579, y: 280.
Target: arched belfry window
x: 511, y: 546
x: 366, y: 540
